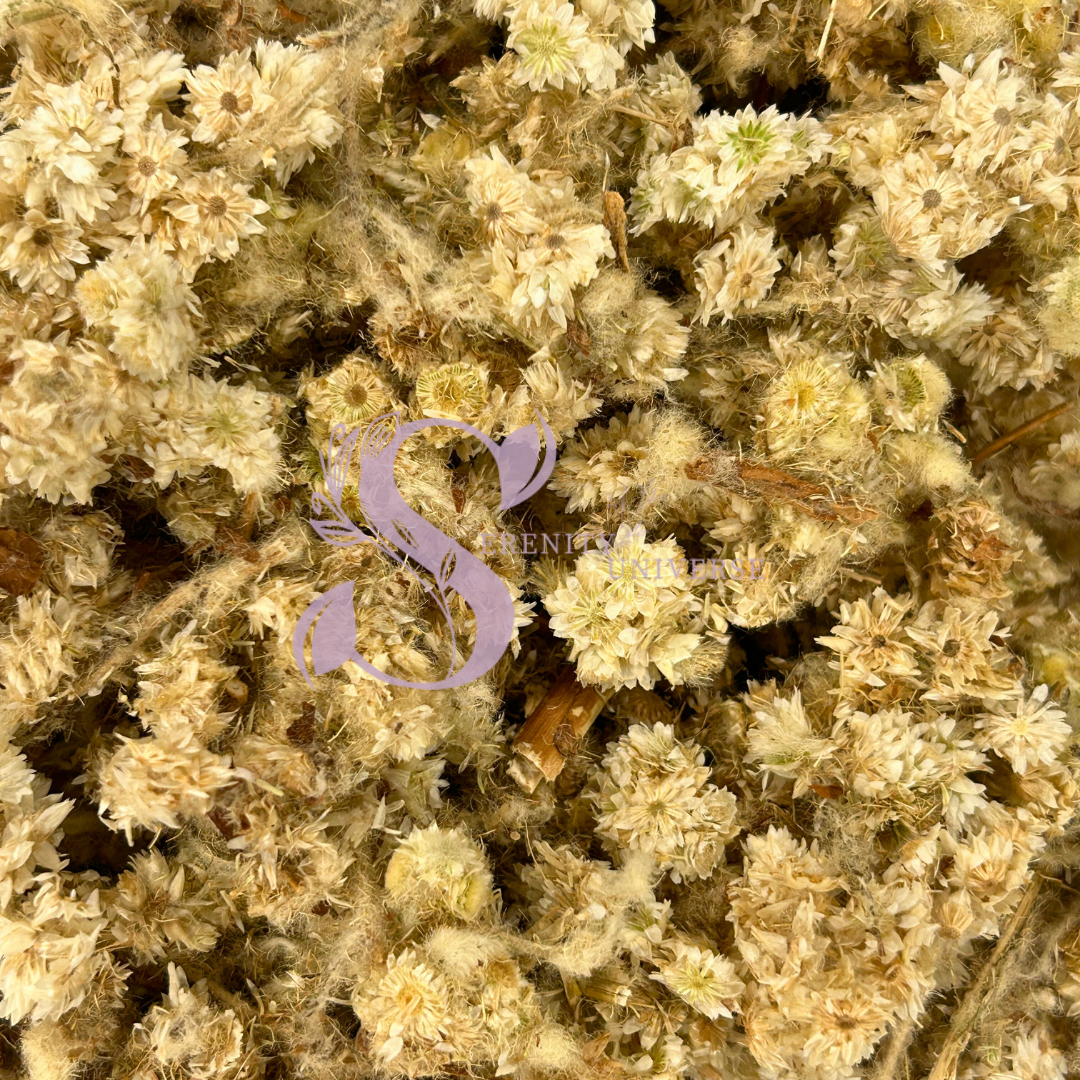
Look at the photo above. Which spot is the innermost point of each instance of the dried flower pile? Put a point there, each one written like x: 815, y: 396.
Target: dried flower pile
x: 795, y: 287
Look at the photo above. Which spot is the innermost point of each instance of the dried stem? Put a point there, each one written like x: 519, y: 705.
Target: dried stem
x: 767, y: 482
x: 222, y: 579
x: 552, y: 732
x: 894, y: 1057
x: 999, y: 444
x: 982, y: 989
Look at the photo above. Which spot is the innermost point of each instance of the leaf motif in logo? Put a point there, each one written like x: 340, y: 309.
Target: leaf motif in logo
x: 333, y: 641
x: 336, y: 465
x: 335, y: 528
x: 447, y: 567
x: 405, y: 535
x: 378, y: 435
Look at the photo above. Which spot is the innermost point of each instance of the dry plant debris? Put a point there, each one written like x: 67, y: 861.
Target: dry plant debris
x: 796, y: 288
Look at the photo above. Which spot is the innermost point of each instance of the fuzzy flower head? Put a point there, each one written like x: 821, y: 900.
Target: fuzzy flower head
x: 1025, y: 731
x: 551, y: 266
x: 814, y: 409
x: 154, y: 161
x: 911, y: 394
x: 705, y: 981
x: 140, y: 297
x: 442, y: 870
x: 72, y: 138
x: 735, y: 165
x: 652, y: 794
x: 41, y: 252
x: 629, y: 612
x: 981, y: 113
x: 501, y: 198
x: 961, y: 650
x: 736, y: 273
x: 601, y: 465
x: 931, y: 212
x: 353, y: 392
x: 222, y: 98
x: 407, y: 1008
x: 870, y: 640
x: 782, y: 742
x: 453, y: 392
x: 211, y: 214
x: 555, y: 47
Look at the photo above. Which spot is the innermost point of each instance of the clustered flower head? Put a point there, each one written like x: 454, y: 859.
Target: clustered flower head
x: 653, y: 795
x: 631, y: 613
x: 776, y: 777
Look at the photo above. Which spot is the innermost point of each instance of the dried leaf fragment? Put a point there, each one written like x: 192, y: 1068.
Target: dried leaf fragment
x: 615, y: 223
x: 21, y: 561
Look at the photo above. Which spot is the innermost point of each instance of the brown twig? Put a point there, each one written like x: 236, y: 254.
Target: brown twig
x: 615, y: 223
x: 999, y: 444
x: 981, y: 990
x: 553, y: 731
x: 768, y: 482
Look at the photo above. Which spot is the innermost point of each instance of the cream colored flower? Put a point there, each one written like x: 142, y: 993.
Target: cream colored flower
x: 844, y: 1026
x: 629, y: 612
x: 213, y: 214
x: 601, y: 465
x: 159, y: 780
x: 186, y: 1034
x: 704, y: 980
x: 222, y: 98
x: 453, y: 392
x: 781, y: 742
x: 154, y: 905
x: 349, y: 394
x: 551, y: 266
x: 440, y: 870
x: 409, y: 1007
x: 155, y: 161
x: 964, y: 659
x: 501, y: 197
x: 1023, y: 730
x: 870, y: 640
x: 736, y: 273
x: 41, y: 251
x: 931, y: 212
x: 552, y: 42
x: 911, y: 394
x: 981, y: 113
x: 652, y: 794
x: 140, y: 297
x: 149, y: 79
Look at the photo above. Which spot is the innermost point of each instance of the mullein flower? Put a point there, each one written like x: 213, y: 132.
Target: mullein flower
x: 1025, y: 731
x: 628, y: 629
x: 210, y: 214
x: 42, y: 252
x: 502, y: 198
x: 154, y: 161
x: 870, y: 640
x: 222, y: 98
x: 140, y: 298
x: 555, y: 47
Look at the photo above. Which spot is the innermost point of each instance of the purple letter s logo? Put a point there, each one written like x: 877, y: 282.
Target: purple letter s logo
x: 392, y: 523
